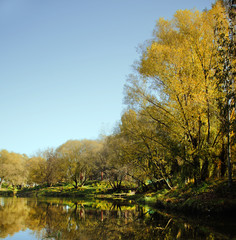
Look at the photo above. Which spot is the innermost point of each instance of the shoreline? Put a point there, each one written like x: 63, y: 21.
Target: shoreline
x: 214, y: 199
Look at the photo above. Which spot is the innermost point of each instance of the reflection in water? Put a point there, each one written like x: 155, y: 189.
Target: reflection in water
x: 58, y: 219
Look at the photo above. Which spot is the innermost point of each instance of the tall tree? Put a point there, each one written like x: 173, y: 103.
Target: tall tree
x: 225, y: 71
x: 176, y: 79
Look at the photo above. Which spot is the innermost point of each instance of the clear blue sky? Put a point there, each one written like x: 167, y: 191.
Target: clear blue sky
x: 64, y: 64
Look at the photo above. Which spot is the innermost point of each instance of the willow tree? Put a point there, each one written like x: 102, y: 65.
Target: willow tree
x: 176, y: 77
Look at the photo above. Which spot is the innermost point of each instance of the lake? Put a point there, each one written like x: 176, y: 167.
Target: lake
x: 30, y: 219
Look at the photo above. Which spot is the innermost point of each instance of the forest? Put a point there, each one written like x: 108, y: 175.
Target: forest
x: 179, y: 124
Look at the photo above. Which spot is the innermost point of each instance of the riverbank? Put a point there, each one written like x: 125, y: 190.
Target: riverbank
x: 209, y: 198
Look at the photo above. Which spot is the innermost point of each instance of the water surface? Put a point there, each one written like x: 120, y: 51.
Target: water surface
x: 29, y: 218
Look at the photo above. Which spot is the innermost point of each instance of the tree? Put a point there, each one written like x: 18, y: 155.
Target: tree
x: 46, y: 167
x: 54, y: 167
x: 225, y: 71
x: 79, y: 157
x: 12, y: 168
x: 112, y: 161
x: 176, y: 80
x: 36, y: 167
x: 148, y: 154
x: 3, y: 165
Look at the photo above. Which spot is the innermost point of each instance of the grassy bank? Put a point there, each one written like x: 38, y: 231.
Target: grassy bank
x: 93, y: 189
x: 208, y: 198
x: 5, y: 192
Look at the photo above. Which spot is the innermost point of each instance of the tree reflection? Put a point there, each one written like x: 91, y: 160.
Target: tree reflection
x: 70, y: 220
x: 12, y: 216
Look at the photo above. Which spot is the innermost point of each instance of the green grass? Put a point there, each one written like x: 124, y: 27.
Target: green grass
x: 211, y: 197
x: 6, y: 192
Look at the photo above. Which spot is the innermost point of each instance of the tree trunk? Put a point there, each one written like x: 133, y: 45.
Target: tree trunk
x: 204, y: 170
x: 196, y: 170
x: 228, y: 150
x: 76, y: 183
x: 222, y: 162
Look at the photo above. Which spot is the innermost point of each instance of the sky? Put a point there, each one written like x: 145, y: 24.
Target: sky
x: 63, y: 65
